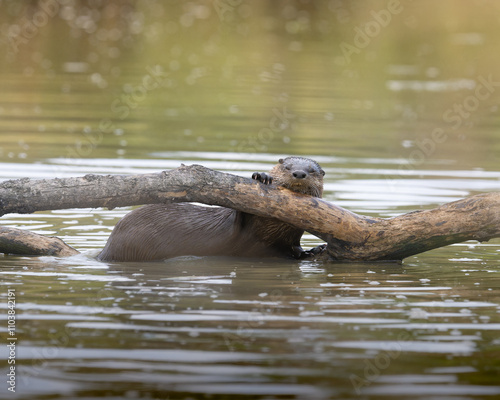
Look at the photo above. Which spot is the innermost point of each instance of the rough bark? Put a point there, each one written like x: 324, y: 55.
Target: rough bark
x: 17, y: 241
x: 350, y: 237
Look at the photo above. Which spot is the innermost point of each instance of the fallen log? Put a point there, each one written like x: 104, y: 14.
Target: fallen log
x: 349, y: 236
x: 21, y: 242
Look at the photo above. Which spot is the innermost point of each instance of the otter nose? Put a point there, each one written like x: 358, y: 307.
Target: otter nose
x: 299, y: 174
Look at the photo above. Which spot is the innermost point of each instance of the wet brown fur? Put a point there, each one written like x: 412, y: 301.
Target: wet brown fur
x: 160, y: 231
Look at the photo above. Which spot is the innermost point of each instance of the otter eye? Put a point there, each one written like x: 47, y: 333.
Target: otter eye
x: 288, y: 167
x: 310, y: 170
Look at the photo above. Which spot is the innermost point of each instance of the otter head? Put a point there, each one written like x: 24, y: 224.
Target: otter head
x: 300, y: 175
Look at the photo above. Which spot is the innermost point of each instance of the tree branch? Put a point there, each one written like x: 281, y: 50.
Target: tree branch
x: 18, y: 241
x: 350, y: 237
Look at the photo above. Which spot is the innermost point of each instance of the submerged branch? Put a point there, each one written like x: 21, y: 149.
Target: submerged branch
x: 18, y: 241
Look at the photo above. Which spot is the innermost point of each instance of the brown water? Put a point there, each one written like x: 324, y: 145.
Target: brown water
x: 401, y: 119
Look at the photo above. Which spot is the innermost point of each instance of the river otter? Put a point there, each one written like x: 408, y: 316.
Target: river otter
x: 160, y: 231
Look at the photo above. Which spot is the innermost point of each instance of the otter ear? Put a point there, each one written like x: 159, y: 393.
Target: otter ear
x: 281, y: 161
x: 322, y: 172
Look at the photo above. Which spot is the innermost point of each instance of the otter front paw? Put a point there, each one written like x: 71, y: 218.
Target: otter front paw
x: 262, y: 177
x: 313, y: 252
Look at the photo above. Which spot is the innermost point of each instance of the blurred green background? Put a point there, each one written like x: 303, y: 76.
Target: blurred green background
x: 367, y: 79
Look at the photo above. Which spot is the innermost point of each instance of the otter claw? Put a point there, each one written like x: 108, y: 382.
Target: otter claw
x: 262, y: 177
x: 313, y: 252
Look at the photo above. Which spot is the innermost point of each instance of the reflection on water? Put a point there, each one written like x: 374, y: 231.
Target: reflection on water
x: 405, y: 118
x: 256, y: 327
